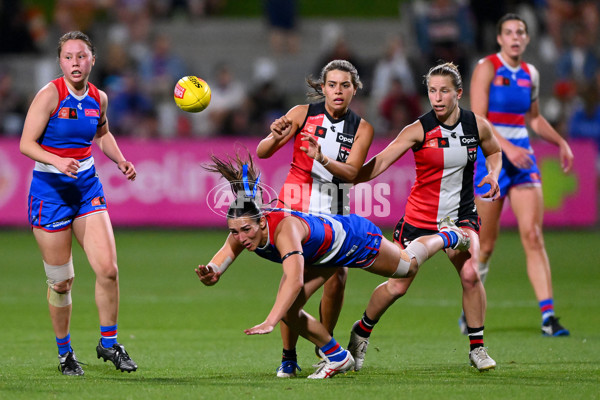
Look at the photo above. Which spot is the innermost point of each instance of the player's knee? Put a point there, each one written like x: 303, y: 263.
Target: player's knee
x: 109, y: 272
x: 396, y: 288
x: 60, y: 280
x: 340, y: 277
x: 411, y: 258
x: 533, y: 238
x: 469, y: 276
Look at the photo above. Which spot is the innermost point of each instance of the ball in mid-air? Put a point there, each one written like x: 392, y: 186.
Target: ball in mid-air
x: 192, y: 94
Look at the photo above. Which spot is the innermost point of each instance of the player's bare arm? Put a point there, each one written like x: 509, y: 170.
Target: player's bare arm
x: 288, y: 239
x: 210, y: 273
x: 542, y: 127
x: 406, y: 139
x: 282, y: 130
x: 36, y: 120
x: 493, y: 157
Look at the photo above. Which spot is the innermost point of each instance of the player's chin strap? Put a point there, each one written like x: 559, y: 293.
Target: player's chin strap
x: 249, y: 193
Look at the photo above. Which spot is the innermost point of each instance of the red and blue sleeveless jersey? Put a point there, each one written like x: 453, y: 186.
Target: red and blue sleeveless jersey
x: 70, y: 131
x: 511, y: 93
x: 334, y: 240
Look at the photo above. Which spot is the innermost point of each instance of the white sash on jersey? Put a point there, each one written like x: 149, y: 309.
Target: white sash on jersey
x: 42, y: 167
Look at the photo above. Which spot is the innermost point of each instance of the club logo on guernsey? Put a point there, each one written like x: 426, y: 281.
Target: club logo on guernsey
x: 343, y: 153
x: 67, y: 113
x: 472, y: 153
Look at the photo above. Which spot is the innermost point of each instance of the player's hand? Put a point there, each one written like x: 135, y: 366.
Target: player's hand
x: 261, y: 329
x: 281, y: 127
x: 127, y: 169
x: 68, y: 166
x: 518, y: 156
x: 566, y: 156
x: 311, y: 147
x: 207, y: 275
x: 494, y: 191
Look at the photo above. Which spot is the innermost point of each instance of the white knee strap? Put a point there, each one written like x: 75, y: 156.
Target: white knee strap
x: 57, y: 274
x: 416, y: 250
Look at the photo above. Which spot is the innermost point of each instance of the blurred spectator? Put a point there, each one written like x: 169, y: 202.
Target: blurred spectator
x: 444, y: 32
x: 578, y: 61
x: 585, y: 121
x: 282, y: 21
x: 394, y: 64
x: 113, y: 68
x: 186, y: 8
x: 486, y: 14
x: 15, y: 36
x: 130, y: 111
x: 334, y: 46
x: 131, y: 26
x: 161, y: 70
x: 227, y: 113
x: 13, y: 106
x: 76, y: 15
x: 399, y: 108
x: 266, y: 101
x: 560, y: 13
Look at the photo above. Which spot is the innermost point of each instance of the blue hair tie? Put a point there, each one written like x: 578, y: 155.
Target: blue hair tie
x: 251, y: 194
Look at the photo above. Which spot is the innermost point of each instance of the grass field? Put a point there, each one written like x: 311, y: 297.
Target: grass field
x: 189, y: 343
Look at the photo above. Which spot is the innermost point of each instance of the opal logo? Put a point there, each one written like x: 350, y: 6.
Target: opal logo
x: 219, y: 198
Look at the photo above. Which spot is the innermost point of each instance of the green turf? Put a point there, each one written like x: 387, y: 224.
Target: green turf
x: 189, y: 343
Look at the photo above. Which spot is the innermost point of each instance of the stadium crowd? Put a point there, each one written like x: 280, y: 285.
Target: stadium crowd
x: 564, y: 35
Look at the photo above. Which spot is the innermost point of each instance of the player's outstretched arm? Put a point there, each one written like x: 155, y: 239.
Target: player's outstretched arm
x: 210, y: 273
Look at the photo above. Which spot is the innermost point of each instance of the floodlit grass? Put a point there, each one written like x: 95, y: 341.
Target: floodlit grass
x: 189, y: 343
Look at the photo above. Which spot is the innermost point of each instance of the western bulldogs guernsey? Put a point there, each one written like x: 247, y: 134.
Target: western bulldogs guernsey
x: 512, y: 91
x: 334, y: 240
x: 444, y: 165
x: 309, y: 187
x: 69, y: 133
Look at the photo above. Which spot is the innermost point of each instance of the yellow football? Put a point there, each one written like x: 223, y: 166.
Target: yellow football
x: 192, y: 94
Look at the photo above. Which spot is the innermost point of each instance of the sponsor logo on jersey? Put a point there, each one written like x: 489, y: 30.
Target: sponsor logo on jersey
x: 320, y: 131
x: 434, y: 133
x: 310, y: 128
x: 67, y: 113
x: 468, y: 140
x: 524, y: 83
x: 59, y: 224
x: 501, y: 81
x: 344, y: 138
x: 437, y: 143
x: 92, y: 112
x: 98, y: 201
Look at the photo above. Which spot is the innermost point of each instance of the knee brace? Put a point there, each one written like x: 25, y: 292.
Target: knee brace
x: 55, y: 275
x: 416, y: 250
